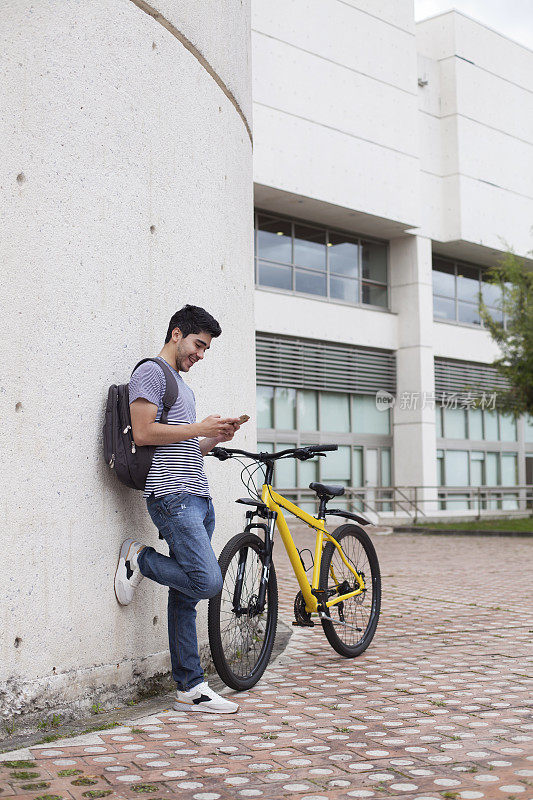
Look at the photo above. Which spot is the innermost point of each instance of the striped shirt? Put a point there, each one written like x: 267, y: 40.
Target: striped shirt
x: 177, y: 467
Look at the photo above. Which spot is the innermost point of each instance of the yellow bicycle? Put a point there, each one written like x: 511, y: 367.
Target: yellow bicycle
x: 345, y: 590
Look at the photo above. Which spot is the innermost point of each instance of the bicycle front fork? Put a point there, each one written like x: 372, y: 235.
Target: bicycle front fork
x: 266, y: 560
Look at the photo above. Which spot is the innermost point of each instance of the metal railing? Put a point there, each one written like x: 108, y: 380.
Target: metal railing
x: 415, y: 502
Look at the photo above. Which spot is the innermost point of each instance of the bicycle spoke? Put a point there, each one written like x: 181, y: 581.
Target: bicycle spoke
x: 351, y: 618
x: 242, y: 636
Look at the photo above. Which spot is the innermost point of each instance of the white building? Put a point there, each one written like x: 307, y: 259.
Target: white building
x: 393, y: 164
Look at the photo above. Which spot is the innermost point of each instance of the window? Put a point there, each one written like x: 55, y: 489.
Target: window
x: 311, y: 260
x: 456, y: 288
x: 290, y: 417
x: 475, y: 424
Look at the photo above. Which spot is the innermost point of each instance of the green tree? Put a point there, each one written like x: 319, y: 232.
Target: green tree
x: 516, y: 338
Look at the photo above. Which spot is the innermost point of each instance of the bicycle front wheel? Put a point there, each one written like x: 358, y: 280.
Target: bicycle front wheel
x: 351, y: 624
x: 241, y: 638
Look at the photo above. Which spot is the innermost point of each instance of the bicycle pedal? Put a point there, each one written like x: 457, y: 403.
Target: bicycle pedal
x: 309, y: 624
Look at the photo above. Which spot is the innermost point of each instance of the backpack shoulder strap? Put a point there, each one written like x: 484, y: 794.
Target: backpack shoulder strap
x: 171, y: 386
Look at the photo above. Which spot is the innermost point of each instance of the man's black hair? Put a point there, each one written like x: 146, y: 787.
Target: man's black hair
x: 193, y: 319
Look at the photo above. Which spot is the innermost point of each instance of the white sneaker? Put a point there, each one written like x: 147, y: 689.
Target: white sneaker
x: 128, y: 575
x: 203, y: 698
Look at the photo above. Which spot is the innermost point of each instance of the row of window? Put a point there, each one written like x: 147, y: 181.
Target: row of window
x: 311, y: 260
x: 476, y: 468
x: 456, y: 290
x: 286, y: 409
x: 316, y: 261
x: 479, y: 424
x: 350, y: 465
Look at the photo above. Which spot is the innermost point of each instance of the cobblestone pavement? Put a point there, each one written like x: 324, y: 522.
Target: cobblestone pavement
x: 437, y: 707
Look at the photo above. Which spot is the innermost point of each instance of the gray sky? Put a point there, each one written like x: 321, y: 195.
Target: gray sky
x: 513, y: 18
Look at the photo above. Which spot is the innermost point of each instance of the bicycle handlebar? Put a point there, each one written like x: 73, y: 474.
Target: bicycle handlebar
x: 301, y: 453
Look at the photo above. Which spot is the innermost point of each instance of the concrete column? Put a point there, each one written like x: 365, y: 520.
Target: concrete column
x: 414, y: 412
x: 127, y: 192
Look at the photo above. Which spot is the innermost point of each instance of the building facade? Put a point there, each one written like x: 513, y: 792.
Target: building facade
x: 393, y: 165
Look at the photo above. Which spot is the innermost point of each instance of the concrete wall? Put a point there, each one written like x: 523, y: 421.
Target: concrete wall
x: 126, y: 193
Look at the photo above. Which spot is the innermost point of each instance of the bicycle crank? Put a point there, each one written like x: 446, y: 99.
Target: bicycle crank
x: 302, y: 616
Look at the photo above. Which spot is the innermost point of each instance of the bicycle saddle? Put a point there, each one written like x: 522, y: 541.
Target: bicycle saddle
x: 325, y: 490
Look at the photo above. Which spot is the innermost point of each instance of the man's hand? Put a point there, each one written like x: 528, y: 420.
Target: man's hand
x: 230, y: 425
x: 234, y: 425
x: 214, y: 427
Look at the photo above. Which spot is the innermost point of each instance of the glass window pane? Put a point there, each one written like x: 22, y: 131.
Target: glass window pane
x: 308, y: 472
x: 285, y: 409
x: 357, y: 467
x: 443, y: 278
x: 309, y: 247
x: 310, y: 282
x: 439, y: 421
x: 285, y: 470
x: 385, y: 466
x: 343, y: 289
x: 336, y: 466
x: 510, y: 502
x: 307, y: 411
x: 509, y: 473
x: 475, y: 423
x: 496, y: 314
x: 491, y: 469
x: 469, y: 313
x: 491, y: 425
x: 334, y: 412
x: 374, y: 261
x: 476, y: 468
x: 456, y: 467
x: 491, y: 293
x: 374, y: 295
x: 442, y: 308
x: 265, y: 407
x: 366, y: 418
x: 457, y: 502
x: 507, y: 428
x: 343, y: 255
x: 455, y: 423
x: 528, y: 428
x: 274, y: 275
x: 274, y: 240
x: 467, y: 283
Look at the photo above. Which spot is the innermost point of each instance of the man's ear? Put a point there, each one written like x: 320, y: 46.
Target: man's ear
x: 177, y: 335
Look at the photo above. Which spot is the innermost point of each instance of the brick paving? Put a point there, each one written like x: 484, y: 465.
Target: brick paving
x: 438, y: 706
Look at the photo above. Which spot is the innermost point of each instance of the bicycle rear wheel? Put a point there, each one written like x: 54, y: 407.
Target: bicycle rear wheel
x: 352, y: 623
x: 241, y: 639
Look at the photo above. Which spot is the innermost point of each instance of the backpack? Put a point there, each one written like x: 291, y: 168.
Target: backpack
x: 132, y: 462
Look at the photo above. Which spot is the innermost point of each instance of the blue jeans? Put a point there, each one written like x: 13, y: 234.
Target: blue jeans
x: 186, y: 522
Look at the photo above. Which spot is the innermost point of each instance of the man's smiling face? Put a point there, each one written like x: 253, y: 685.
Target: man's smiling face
x: 191, y: 349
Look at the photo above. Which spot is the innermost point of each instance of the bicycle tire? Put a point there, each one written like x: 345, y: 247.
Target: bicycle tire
x: 361, y: 613
x: 241, y: 645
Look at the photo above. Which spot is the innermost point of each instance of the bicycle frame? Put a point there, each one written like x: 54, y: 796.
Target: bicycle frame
x: 275, y: 502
